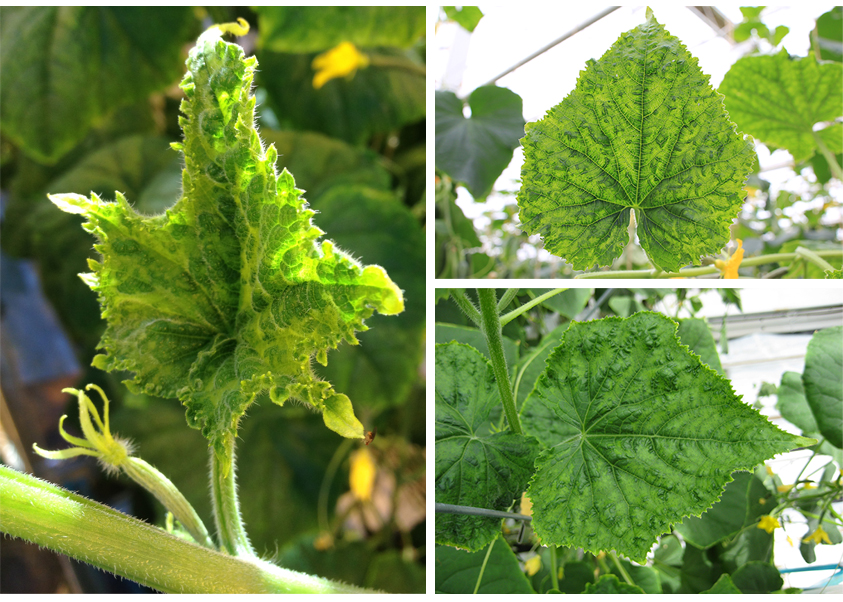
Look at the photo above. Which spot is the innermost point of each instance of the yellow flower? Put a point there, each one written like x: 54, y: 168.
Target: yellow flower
x: 730, y: 268
x: 818, y: 537
x: 769, y: 524
x: 526, y: 505
x: 790, y: 541
x: 769, y: 471
x: 362, y: 477
x: 784, y: 488
x: 533, y: 565
x: 810, y: 486
x: 339, y: 61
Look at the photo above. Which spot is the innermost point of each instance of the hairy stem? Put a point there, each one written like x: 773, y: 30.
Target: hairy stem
x: 554, y: 570
x: 692, y: 272
x: 490, y: 326
x: 162, y: 488
x: 465, y: 304
x: 230, y: 530
x: 70, y: 524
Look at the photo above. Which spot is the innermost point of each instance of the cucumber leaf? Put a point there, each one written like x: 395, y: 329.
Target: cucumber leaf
x: 457, y: 571
x: 643, y: 130
x: 778, y: 99
x: 637, y: 433
x: 475, y: 150
x: 823, y: 381
x: 228, y: 293
x: 64, y: 68
x: 316, y: 28
x: 474, y: 466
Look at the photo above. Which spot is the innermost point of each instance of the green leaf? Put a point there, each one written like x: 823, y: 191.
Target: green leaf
x: 823, y: 381
x: 445, y: 333
x: 637, y: 433
x: 227, y: 294
x: 830, y: 35
x: 567, y: 303
x: 376, y: 100
x: 457, y: 571
x: 474, y: 466
x: 834, y: 274
x: 316, y: 28
x: 64, y: 68
x: 793, y: 405
x: 530, y: 367
x: 644, y: 131
x: 645, y: 577
x: 322, y: 163
x: 610, y: 584
x: 467, y: 16
x: 757, y: 578
x: 724, y: 585
x: 695, y: 333
x: 475, y: 150
x: 736, y: 509
x: 778, y: 99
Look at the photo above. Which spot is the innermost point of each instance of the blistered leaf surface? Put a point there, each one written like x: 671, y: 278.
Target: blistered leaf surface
x: 637, y: 433
x: 474, y: 466
x: 642, y: 130
x: 778, y: 99
x: 227, y: 293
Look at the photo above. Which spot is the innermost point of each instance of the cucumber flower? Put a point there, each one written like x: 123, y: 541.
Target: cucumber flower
x: 730, y: 268
x: 768, y: 523
x: 115, y: 454
x: 533, y: 565
x: 339, y: 61
x: 818, y: 537
x: 110, y: 451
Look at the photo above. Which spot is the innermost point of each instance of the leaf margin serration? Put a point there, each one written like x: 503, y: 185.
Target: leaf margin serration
x: 612, y: 239
x: 253, y: 242
x: 543, y: 524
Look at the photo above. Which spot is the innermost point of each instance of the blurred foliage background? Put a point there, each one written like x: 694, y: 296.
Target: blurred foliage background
x: 89, y: 101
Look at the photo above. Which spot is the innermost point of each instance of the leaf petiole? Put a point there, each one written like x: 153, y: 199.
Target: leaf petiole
x: 507, y: 318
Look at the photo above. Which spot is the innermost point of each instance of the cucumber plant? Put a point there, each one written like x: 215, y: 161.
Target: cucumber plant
x: 626, y: 435
x: 226, y: 295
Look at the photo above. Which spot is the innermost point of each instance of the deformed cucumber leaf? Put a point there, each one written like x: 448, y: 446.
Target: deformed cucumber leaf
x: 643, y: 130
x: 637, y: 433
x: 778, y: 99
x: 474, y: 466
x: 227, y: 293
x: 823, y: 381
